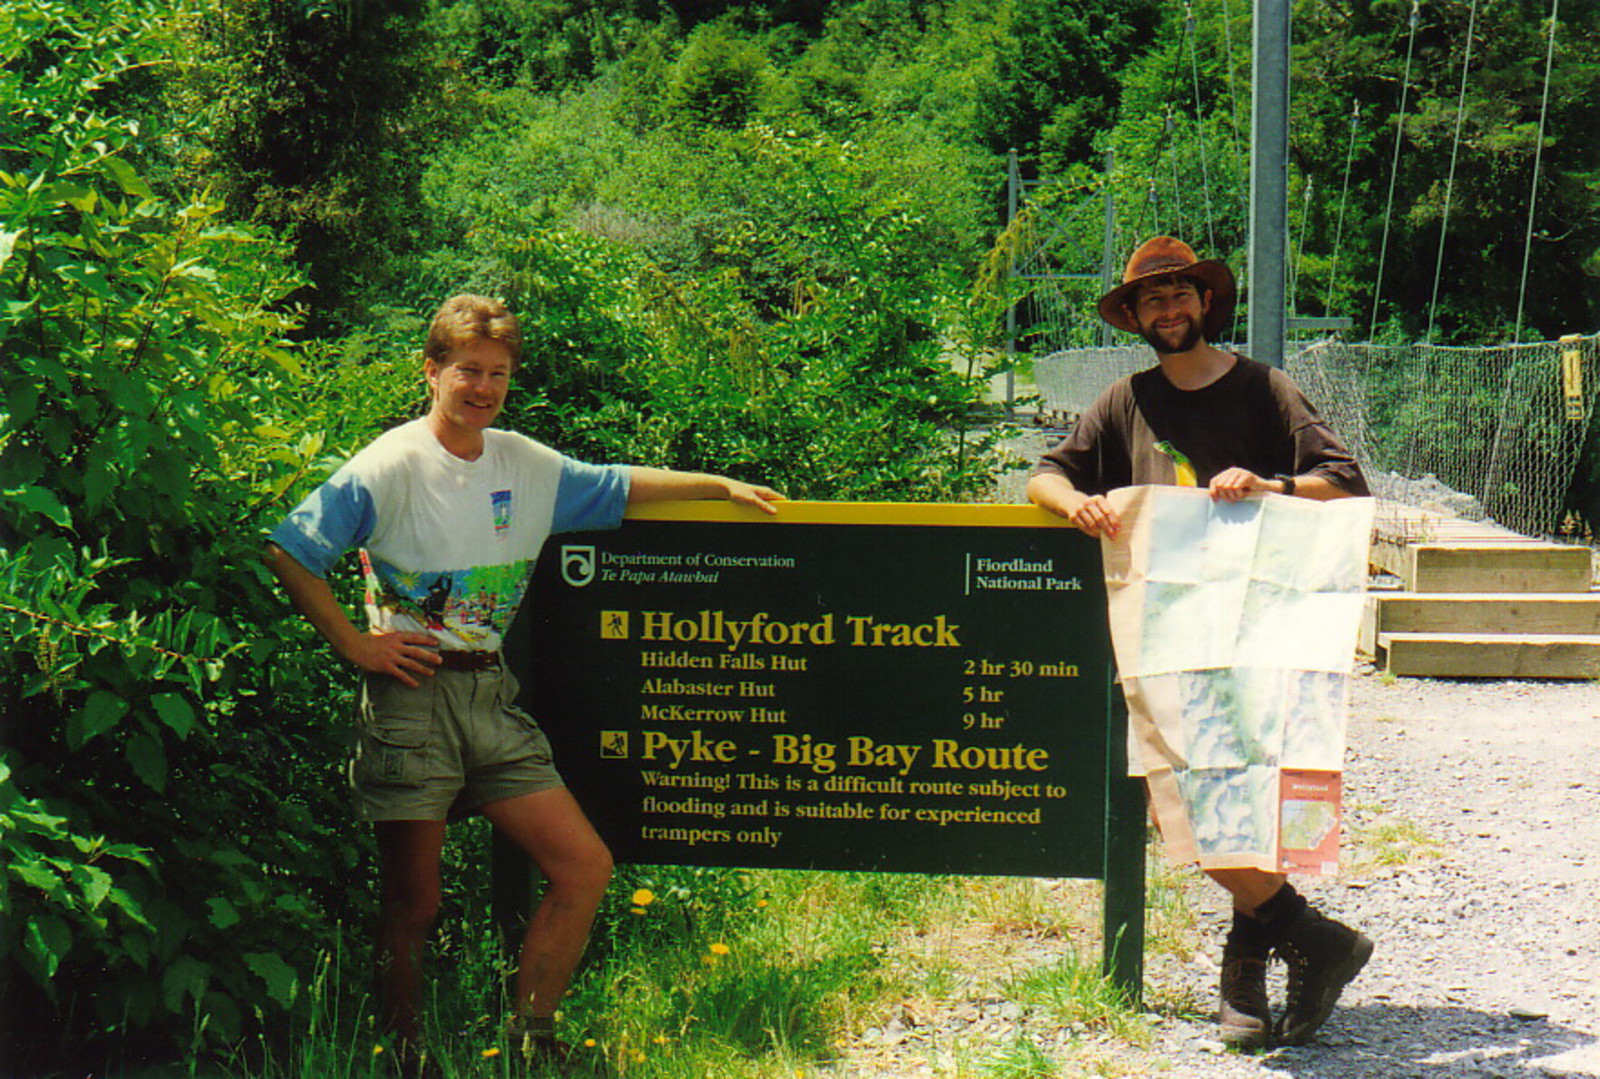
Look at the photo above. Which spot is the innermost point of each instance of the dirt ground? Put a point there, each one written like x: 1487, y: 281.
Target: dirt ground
x: 1472, y: 858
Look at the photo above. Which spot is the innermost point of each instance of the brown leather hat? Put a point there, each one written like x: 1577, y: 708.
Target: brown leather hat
x: 1162, y: 255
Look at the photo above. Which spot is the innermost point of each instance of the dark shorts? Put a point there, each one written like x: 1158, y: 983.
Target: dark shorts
x: 445, y: 748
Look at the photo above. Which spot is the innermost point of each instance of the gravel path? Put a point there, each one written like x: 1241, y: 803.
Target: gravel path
x: 1488, y: 958
x: 1472, y: 858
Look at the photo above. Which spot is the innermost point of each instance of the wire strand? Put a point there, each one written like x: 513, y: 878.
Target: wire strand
x: 1394, y: 169
x: 1344, y: 195
x: 1298, y: 251
x: 1199, y: 127
x: 1538, y: 149
x: 1450, y: 182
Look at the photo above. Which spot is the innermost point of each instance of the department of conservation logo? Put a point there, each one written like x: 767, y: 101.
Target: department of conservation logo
x: 577, y: 564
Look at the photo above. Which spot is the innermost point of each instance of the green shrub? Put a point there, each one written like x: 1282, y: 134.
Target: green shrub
x: 169, y: 830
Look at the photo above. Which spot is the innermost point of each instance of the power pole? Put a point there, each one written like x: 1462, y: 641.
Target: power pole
x: 1269, y: 181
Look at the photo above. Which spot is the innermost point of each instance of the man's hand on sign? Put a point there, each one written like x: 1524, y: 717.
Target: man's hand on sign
x: 1095, y: 516
x: 398, y: 655
x: 750, y: 494
x: 1092, y: 514
x: 1236, y: 483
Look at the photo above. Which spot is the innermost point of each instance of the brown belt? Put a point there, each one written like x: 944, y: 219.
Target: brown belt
x: 452, y: 660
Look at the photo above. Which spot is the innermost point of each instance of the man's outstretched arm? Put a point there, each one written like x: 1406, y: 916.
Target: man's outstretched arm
x: 661, y: 484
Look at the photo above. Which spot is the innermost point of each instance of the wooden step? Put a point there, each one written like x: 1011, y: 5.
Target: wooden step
x: 1497, y: 567
x: 1491, y: 655
x: 1392, y: 554
x: 1478, y: 612
x: 1399, y: 527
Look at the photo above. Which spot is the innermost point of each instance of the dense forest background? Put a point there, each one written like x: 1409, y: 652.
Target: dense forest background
x: 757, y: 237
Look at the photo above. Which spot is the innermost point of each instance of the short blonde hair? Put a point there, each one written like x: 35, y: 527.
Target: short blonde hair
x: 464, y: 319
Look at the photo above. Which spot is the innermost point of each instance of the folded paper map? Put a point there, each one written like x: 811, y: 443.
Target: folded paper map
x: 1234, y: 626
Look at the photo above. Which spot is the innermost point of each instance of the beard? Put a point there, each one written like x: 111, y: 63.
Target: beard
x: 1190, y: 338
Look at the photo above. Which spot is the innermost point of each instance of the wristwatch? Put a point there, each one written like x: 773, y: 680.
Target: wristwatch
x: 1288, y: 483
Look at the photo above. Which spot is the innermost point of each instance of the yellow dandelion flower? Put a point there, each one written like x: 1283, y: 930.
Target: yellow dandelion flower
x: 719, y: 948
x: 761, y: 904
x: 491, y: 1052
x: 589, y: 1043
x: 643, y: 897
x: 376, y: 1049
x: 661, y: 1039
x: 638, y: 1056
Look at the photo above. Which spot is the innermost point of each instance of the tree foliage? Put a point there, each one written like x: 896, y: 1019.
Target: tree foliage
x: 311, y: 118
x: 808, y: 354
x: 1472, y: 110
x: 163, y: 756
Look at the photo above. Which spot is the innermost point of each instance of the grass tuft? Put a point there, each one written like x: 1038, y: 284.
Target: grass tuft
x: 1075, y: 994
x: 1393, y: 842
x: 1019, y: 1059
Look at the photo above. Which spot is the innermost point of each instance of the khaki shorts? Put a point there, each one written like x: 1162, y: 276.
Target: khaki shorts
x: 444, y: 749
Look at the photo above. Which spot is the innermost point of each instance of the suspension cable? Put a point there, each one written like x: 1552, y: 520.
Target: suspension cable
x: 1199, y: 124
x: 1450, y: 182
x: 1177, y: 184
x: 1344, y: 195
x: 1538, y: 149
x: 1394, y: 169
x: 1233, y: 96
x: 1162, y: 140
x: 1299, y: 251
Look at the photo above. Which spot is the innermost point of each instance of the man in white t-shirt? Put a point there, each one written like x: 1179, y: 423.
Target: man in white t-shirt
x: 449, y: 515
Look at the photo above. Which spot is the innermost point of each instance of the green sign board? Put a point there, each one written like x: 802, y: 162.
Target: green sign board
x: 843, y: 686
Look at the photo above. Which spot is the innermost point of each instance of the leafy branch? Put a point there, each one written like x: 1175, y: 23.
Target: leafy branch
x: 77, y: 629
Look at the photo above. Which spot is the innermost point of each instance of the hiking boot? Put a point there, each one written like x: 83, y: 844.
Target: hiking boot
x: 1246, y: 1014
x: 1322, y: 956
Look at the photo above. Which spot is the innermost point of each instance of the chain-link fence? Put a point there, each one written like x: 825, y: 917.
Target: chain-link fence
x: 1068, y: 381
x: 1482, y: 433
x: 1496, y: 432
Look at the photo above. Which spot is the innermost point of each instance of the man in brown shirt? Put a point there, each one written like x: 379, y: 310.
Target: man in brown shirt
x: 1215, y: 419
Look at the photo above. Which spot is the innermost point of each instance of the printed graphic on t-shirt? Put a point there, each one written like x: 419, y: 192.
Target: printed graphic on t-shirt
x: 500, y: 501
x: 467, y: 608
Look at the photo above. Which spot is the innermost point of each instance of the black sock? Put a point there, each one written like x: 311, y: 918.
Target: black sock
x: 1284, y: 907
x: 1248, y: 938
x: 1255, y: 935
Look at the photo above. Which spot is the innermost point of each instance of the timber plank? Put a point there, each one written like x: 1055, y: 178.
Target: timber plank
x: 1498, y: 567
x: 1488, y: 612
x: 1505, y: 655
x: 1399, y: 527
